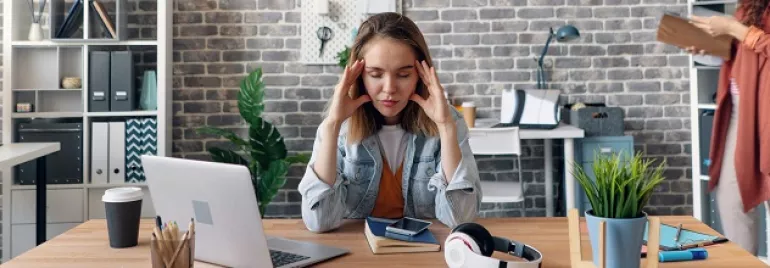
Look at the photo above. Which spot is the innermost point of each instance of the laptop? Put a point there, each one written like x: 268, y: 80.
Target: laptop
x: 228, y: 227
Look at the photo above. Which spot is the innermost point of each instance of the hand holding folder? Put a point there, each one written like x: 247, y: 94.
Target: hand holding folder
x: 678, y: 31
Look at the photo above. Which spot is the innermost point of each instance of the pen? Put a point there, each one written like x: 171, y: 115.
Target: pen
x: 158, y: 222
x: 678, y: 232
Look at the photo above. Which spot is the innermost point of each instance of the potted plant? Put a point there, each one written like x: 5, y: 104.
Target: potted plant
x: 263, y: 151
x: 618, y: 191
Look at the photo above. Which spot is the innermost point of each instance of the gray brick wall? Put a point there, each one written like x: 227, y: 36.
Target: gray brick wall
x: 479, y: 46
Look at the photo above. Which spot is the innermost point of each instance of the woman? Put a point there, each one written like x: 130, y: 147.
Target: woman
x: 740, y: 167
x: 390, y: 145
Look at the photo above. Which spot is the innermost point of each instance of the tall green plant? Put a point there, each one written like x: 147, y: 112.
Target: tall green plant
x: 620, y: 190
x: 263, y: 151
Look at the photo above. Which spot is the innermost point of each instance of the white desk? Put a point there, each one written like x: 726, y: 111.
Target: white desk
x: 565, y: 132
x: 17, y: 153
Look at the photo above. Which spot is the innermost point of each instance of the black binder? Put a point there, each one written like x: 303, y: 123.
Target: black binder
x: 122, y: 91
x: 99, y: 82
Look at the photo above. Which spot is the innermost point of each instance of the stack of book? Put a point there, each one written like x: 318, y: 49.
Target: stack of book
x: 383, y: 242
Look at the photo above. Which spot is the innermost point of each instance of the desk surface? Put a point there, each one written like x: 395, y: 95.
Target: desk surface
x: 16, y: 153
x: 87, y: 246
x: 563, y: 131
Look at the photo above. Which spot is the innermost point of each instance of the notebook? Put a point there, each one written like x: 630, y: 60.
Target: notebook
x: 383, y: 242
x: 687, y: 238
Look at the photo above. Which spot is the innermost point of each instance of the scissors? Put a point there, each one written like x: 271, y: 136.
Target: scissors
x: 324, y: 34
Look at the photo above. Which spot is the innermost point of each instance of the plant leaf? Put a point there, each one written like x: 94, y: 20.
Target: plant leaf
x: 271, y: 181
x: 266, y: 142
x: 227, y: 156
x: 227, y: 134
x: 250, y: 97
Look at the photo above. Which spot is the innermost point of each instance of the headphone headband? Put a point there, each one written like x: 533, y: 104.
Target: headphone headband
x: 518, y: 249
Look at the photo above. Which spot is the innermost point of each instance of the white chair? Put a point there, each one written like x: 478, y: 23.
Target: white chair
x: 499, y: 141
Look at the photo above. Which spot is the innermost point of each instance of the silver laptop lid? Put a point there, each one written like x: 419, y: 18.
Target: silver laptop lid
x: 220, y: 197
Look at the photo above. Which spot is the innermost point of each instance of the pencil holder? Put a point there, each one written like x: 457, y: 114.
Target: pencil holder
x: 167, y: 253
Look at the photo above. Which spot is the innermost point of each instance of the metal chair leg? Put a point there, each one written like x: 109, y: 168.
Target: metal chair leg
x: 521, y: 187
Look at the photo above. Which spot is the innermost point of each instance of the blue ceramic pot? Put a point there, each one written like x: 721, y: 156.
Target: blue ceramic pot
x: 623, y: 244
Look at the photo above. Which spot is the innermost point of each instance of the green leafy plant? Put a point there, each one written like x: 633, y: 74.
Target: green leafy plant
x: 621, y: 189
x: 343, y: 57
x: 263, y: 151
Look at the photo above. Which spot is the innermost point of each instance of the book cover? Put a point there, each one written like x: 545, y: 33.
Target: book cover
x: 383, y: 242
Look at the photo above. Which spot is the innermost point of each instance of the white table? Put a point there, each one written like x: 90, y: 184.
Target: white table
x: 18, y: 153
x: 564, y: 132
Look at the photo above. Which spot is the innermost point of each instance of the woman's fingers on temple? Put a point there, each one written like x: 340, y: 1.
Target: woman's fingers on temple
x: 418, y: 99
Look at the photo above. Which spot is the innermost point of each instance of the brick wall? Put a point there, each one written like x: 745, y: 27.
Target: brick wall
x: 479, y: 46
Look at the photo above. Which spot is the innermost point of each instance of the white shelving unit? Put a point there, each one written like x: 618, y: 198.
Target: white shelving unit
x: 703, y: 85
x: 32, y: 73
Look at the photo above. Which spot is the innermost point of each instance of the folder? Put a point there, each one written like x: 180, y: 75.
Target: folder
x: 117, y: 158
x: 678, y: 31
x: 122, y: 92
x: 100, y: 152
x: 99, y: 81
x: 134, y: 150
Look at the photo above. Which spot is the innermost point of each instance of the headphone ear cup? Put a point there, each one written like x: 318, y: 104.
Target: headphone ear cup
x: 466, y: 239
x: 479, y: 234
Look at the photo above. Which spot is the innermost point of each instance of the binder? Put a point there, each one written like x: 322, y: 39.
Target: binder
x: 122, y: 92
x: 99, y: 81
x: 134, y: 148
x: 117, y: 151
x: 100, y: 152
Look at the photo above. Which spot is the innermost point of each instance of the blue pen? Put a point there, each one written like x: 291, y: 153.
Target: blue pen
x: 683, y: 255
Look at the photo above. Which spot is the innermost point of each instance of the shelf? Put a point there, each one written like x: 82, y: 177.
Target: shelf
x: 501, y: 191
x: 707, y: 106
x: 704, y: 67
x: 49, y: 89
x: 47, y: 115
x: 130, y: 113
x: 111, y: 185
x: 93, y: 42
x: 50, y: 186
x: 714, y: 2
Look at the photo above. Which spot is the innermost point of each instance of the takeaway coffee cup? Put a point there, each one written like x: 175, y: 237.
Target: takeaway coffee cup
x: 123, y: 207
x: 469, y: 113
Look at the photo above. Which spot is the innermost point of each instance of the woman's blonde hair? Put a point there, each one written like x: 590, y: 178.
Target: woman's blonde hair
x: 366, y: 120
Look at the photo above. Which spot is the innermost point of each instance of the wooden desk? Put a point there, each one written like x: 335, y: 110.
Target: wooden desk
x: 87, y: 246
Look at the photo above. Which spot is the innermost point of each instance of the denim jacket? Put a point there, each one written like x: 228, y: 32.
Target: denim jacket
x: 425, y: 190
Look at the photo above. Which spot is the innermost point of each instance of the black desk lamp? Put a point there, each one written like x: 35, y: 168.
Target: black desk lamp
x: 565, y: 34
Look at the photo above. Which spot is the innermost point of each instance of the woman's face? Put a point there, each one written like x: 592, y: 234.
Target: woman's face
x: 390, y: 76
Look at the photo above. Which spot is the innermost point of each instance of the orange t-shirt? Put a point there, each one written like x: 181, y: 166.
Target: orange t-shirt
x: 390, y: 200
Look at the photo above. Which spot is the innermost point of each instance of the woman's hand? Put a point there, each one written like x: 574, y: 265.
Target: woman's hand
x: 720, y: 25
x: 342, y: 105
x: 695, y: 51
x: 435, y: 106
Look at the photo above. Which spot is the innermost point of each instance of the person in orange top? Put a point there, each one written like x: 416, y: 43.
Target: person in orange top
x: 740, y: 145
x: 390, y: 145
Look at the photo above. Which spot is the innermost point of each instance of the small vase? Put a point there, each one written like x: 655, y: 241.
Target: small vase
x: 35, y: 32
x: 148, y: 93
x: 623, y: 240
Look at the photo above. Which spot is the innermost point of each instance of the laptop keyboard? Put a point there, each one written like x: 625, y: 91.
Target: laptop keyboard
x: 281, y: 258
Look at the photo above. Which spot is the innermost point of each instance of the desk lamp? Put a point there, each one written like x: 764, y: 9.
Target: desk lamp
x: 565, y: 34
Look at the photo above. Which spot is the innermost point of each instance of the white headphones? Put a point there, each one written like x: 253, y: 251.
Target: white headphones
x: 471, y: 245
